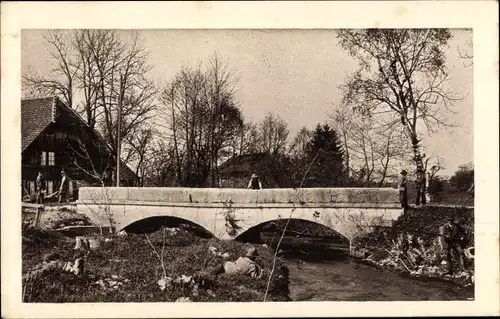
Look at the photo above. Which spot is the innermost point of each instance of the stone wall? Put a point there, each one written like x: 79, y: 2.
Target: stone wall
x: 227, y: 213
x: 243, y: 196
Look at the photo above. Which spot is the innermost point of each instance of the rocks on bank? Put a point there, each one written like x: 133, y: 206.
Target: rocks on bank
x: 426, y: 258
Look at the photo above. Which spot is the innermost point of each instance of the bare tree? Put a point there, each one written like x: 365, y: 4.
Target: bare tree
x: 436, y: 167
x: 203, y: 117
x: 62, y: 77
x: 370, y: 147
x: 90, y: 159
x: 466, y: 53
x: 186, y: 116
x: 362, y: 148
x: 273, y: 135
x: 139, y: 144
x: 225, y: 116
x: 87, y: 75
x: 245, y: 141
x: 391, y: 148
x: 159, y: 166
x: 342, y: 117
x: 103, y: 69
x: 121, y: 69
x: 402, y: 72
x: 298, y: 147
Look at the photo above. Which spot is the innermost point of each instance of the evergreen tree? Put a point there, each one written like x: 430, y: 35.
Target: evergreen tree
x: 328, y: 168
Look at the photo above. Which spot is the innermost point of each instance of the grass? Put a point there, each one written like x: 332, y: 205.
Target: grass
x: 131, y: 261
x: 449, y: 196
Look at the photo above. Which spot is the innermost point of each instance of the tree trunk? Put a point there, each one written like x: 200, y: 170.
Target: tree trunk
x: 416, y: 152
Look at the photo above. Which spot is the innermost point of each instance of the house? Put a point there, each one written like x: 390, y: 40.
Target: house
x: 127, y: 175
x: 236, y: 171
x: 55, y: 138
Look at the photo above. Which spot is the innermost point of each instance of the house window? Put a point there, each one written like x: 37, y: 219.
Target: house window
x: 48, y: 159
x: 52, y: 159
x: 43, y: 159
x: 34, y: 159
x: 50, y: 187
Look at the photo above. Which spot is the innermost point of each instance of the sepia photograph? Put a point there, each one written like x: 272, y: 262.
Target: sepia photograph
x: 335, y: 166
x: 247, y: 165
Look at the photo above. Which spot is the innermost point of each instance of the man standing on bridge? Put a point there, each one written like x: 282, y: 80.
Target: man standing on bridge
x: 254, y: 182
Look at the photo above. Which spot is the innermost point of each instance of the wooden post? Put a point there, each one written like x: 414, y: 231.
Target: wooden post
x: 39, y: 211
x: 118, y: 132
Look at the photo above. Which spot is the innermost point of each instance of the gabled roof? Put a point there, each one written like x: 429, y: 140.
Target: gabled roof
x: 245, y: 165
x: 36, y: 115
x: 126, y: 172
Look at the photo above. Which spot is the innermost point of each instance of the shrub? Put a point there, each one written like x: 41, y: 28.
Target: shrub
x: 436, y: 186
x: 463, y: 177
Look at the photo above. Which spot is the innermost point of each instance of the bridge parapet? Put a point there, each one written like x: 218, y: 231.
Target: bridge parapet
x: 227, y: 213
x: 242, y: 196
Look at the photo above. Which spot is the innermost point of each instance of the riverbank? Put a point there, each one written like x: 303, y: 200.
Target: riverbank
x: 382, y: 248
x: 129, y: 269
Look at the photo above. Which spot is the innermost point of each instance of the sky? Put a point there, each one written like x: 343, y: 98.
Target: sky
x: 293, y: 73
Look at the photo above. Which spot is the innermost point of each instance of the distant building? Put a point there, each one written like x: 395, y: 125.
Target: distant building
x: 54, y: 137
x: 236, y: 171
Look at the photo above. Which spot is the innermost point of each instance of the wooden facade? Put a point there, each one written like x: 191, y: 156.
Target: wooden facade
x: 55, y: 138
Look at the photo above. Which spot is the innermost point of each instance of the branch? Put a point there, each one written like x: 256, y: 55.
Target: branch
x: 157, y: 254
x: 286, y: 226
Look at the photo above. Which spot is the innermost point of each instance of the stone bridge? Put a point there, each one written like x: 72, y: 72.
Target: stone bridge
x: 228, y: 213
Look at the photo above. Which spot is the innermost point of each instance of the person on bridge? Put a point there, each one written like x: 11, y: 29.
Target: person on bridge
x: 403, y: 190
x: 40, y: 188
x: 254, y: 182
x: 453, y: 240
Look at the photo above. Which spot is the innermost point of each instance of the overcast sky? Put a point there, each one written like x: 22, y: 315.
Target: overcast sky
x: 293, y: 73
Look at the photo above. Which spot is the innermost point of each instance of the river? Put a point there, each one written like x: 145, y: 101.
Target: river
x: 321, y: 270
x: 348, y: 279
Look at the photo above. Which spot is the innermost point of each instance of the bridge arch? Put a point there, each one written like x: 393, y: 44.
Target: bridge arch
x: 154, y: 223
x: 342, y: 222
x: 298, y: 226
